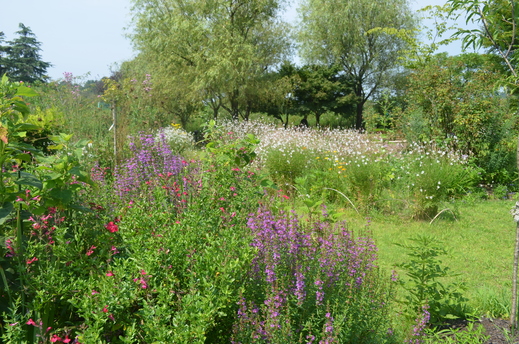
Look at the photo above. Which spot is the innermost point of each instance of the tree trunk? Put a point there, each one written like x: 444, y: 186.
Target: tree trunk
x: 235, y: 107
x: 359, y: 120
x: 318, y: 119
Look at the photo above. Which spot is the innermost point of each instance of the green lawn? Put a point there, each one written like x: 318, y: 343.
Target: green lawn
x: 480, y: 243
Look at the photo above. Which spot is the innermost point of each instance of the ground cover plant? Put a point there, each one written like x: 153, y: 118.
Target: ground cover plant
x: 223, y: 246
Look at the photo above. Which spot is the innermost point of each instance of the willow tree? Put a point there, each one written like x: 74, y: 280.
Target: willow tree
x: 213, y: 51
x: 359, y: 36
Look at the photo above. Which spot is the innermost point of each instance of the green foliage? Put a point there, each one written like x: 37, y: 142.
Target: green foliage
x: 474, y: 333
x: 424, y: 286
x: 319, y: 89
x: 288, y: 163
x: 63, y: 106
x: 455, y: 99
x: 355, y: 36
x: 366, y: 178
x: 23, y: 61
x: 212, y: 53
x: 433, y: 180
x: 236, y: 153
x: 31, y: 184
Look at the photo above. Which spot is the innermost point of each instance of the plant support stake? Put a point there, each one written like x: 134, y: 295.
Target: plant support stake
x: 513, y: 312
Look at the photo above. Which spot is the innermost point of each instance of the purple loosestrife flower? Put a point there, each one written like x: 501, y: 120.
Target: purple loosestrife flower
x: 419, y: 328
x: 299, y: 289
x: 319, y: 294
x: 149, y: 158
x: 299, y: 267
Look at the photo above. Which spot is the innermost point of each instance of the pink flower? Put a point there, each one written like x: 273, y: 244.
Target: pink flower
x: 67, y: 339
x: 32, y: 260
x: 91, y: 250
x: 112, y: 227
x: 109, y: 274
x: 105, y: 309
x: 31, y: 322
x: 94, y: 292
x: 55, y: 338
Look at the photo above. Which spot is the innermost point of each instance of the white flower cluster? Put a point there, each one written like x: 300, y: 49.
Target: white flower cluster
x: 343, y: 143
x: 178, y: 139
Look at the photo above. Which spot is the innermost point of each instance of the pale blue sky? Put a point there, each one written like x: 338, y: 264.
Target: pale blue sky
x: 87, y: 36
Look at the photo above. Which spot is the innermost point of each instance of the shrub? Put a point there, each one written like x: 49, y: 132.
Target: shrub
x: 151, y: 159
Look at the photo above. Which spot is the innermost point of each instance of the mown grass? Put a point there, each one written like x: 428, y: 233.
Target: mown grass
x: 479, y: 237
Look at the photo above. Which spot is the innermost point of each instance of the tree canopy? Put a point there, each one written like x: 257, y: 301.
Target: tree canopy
x: 21, y: 59
x: 210, y: 52
x: 360, y: 36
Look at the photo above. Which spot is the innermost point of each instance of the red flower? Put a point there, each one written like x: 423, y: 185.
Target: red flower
x: 32, y: 260
x: 91, y: 250
x: 105, y: 309
x: 55, y: 338
x: 112, y: 227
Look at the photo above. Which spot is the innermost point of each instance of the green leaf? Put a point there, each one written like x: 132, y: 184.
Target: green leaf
x: 5, y: 210
x: 63, y: 196
x: 23, y: 157
x: 81, y: 175
x: 79, y: 208
x: 25, y: 91
x: 56, y: 147
x: 27, y: 127
x: 27, y: 179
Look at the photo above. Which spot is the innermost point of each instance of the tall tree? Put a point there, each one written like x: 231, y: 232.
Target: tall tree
x: 319, y: 89
x: 216, y: 50
x: 3, y: 54
x: 24, y: 61
x: 354, y: 34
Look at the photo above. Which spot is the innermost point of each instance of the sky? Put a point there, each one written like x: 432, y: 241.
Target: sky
x: 88, y: 37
